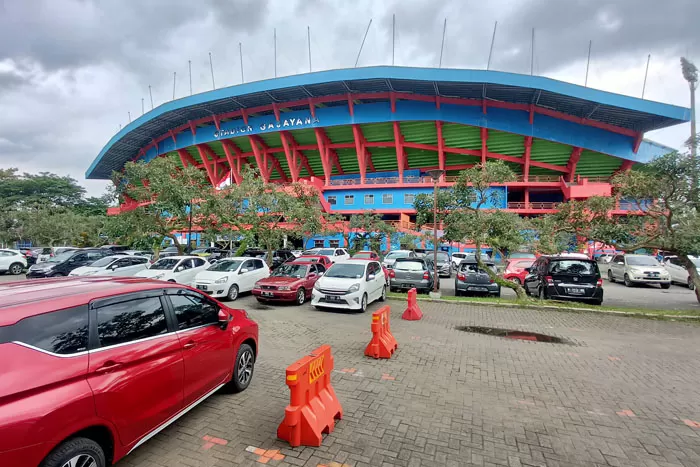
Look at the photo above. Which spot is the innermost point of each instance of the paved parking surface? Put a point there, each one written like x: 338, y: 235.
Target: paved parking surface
x: 627, y: 393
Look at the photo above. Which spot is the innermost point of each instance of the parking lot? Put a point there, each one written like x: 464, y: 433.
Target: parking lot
x: 619, y: 392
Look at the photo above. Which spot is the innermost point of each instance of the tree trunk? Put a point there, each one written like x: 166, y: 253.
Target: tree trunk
x: 175, y: 241
x: 269, y: 254
x: 692, y: 273
x: 519, y: 291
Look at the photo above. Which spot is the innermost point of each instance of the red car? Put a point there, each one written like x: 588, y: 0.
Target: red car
x: 515, y: 269
x: 291, y: 282
x: 93, y: 367
x: 323, y: 260
x: 366, y: 255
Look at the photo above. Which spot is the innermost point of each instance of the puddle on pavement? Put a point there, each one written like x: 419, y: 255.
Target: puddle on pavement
x: 513, y: 334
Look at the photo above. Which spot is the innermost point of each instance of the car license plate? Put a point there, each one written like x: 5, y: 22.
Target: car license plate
x: 201, y: 287
x: 477, y: 289
x: 333, y: 298
x: 407, y: 286
x: 574, y: 291
x: 267, y: 294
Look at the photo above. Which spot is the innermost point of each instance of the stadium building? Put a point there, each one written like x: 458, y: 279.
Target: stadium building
x: 366, y: 137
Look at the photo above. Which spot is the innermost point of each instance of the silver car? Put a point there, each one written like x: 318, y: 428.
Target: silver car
x: 391, y: 257
x: 638, y: 269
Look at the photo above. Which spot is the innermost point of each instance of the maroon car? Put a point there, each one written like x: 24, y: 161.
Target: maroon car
x: 291, y: 282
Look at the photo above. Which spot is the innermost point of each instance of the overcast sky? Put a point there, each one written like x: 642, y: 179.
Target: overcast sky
x: 70, y: 70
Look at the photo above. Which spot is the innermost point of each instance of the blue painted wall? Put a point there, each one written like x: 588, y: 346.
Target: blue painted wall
x: 398, y: 198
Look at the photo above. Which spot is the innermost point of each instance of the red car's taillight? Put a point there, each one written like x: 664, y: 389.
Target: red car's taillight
x: 392, y: 273
x: 549, y: 279
x: 599, y: 283
x: 426, y: 275
x: 461, y: 277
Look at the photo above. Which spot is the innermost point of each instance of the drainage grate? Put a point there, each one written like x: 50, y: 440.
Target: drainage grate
x: 514, y: 334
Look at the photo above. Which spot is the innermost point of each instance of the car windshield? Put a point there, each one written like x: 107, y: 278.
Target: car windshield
x: 308, y: 259
x: 346, y: 270
x: 442, y: 256
x: 524, y: 264
x: 325, y: 252
x: 397, y: 254
x: 573, y: 266
x: 103, y: 262
x: 409, y: 266
x: 61, y: 257
x: 225, y: 265
x: 365, y: 254
x: 522, y: 255
x: 472, y: 268
x: 165, y: 264
x: 642, y: 261
x: 291, y: 270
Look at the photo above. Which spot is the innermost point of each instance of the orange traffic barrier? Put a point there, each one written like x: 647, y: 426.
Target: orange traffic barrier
x: 412, y: 312
x: 313, y: 406
x: 383, y: 343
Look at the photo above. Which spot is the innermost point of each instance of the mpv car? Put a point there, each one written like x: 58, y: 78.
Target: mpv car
x: 565, y: 277
x: 409, y: 273
x: 93, y: 367
x: 471, y: 279
x: 64, y: 263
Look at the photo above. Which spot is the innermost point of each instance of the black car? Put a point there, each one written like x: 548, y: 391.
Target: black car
x: 63, y: 263
x: 278, y: 256
x: 565, y: 278
x: 471, y: 279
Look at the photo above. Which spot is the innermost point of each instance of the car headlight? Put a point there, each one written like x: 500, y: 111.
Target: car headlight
x: 222, y: 280
x: 354, y: 288
x: 158, y: 276
x: 317, y: 286
x: 284, y: 287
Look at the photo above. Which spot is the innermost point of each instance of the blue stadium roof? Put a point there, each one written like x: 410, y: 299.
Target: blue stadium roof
x: 614, y: 109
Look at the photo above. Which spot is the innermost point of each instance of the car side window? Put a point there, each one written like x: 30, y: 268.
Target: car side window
x: 198, y: 262
x: 193, y: 310
x: 249, y: 265
x: 79, y: 258
x: 138, y: 260
x: 94, y: 255
x: 185, y: 264
x: 61, y: 332
x: 122, y: 263
x: 131, y: 320
x: 320, y: 268
x: 258, y: 264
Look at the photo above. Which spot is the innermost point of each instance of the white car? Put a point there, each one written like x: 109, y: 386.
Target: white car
x: 336, y: 255
x: 679, y: 274
x: 12, y: 261
x: 49, y: 252
x: 230, y: 276
x: 115, y: 266
x: 352, y: 285
x: 180, y: 269
x: 638, y: 269
x: 390, y: 257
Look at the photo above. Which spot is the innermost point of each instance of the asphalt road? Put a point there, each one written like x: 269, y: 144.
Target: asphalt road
x: 640, y: 296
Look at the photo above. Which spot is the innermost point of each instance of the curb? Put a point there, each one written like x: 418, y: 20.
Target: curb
x: 558, y: 308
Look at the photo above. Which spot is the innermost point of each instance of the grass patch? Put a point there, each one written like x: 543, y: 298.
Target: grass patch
x: 532, y: 302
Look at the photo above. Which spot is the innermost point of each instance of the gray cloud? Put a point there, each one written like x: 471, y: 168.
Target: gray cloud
x: 70, y: 70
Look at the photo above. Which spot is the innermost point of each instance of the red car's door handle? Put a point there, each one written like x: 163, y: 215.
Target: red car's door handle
x: 108, y: 366
x: 189, y: 345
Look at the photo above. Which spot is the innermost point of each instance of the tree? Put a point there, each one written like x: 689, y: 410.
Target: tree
x: 468, y: 218
x: 166, y: 195
x: 664, y: 212
x: 369, y: 227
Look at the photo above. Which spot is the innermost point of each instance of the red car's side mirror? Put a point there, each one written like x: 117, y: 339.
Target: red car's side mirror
x: 224, y: 318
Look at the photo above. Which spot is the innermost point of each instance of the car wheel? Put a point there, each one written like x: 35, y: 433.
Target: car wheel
x: 57, y: 274
x: 628, y: 283
x: 383, y: 297
x: 363, y: 304
x: 666, y: 286
x: 301, y: 296
x: 610, y: 276
x: 542, y: 294
x: 76, y: 452
x: 497, y: 294
x: 243, y: 371
x: 691, y: 284
x: 233, y: 293
x: 16, y: 269
x: 597, y: 302
x: 516, y: 280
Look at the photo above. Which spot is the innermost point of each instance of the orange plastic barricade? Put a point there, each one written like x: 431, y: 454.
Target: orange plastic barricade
x: 383, y: 343
x: 313, y: 406
x: 412, y: 312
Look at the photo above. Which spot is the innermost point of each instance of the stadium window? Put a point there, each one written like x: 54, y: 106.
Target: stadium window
x: 318, y: 244
x: 387, y: 198
x: 409, y: 198
x: 369, y: 199
x: 349, y: 199
x: 332, y: 200
x: 334, y: 243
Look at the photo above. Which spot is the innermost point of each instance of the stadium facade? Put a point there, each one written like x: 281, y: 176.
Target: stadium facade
x: 366, y: 137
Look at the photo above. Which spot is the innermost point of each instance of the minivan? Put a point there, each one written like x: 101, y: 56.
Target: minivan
x: 565, y: 278
x: 93, y: 367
